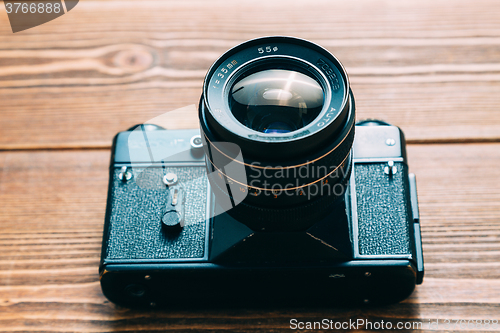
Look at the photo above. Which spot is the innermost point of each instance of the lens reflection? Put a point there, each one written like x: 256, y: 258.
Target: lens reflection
x: 276, y: 100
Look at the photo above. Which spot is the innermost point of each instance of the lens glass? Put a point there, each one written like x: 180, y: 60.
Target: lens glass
x: 276, y: 100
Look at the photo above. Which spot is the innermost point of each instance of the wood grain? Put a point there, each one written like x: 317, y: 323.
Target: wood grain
x: 52, y: 217
x: 66, y: 87
x: 83, y: 77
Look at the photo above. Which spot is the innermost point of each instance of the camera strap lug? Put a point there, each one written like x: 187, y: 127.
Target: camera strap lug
x: 124, y: 174
x: 390, y: 169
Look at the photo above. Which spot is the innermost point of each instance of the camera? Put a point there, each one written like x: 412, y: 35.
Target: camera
x: 279, y: 197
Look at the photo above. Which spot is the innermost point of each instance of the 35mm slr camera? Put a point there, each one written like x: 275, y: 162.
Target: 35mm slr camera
x: 274, y: 200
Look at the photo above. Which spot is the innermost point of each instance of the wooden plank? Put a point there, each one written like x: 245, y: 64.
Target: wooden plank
x: 323, y: 18
x: 431, y: 70
x: 51, y: 220
x: 91, y: 116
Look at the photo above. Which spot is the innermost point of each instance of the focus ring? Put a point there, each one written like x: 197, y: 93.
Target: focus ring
x: 293, y: 218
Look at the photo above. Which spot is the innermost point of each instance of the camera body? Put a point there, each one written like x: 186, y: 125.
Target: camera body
x: 167, y: 242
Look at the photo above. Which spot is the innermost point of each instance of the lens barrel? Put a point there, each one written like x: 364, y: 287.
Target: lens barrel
x: 285, y: 105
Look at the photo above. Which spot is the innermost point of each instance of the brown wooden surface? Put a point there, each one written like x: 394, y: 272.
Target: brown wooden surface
x: 66, y: 87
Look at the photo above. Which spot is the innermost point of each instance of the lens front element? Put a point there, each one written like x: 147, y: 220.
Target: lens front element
x: 276, y: 100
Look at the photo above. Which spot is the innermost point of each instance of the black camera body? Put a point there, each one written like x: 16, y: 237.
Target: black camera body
x: 369, y: 246
x: 278, y: 198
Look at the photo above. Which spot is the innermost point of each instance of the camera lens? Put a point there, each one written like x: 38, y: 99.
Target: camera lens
x: 276, y: 100
x: 286, y: 105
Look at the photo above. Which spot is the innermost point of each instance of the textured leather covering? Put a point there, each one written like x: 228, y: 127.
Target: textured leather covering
x: 383, y: 209
x: 135, y: 231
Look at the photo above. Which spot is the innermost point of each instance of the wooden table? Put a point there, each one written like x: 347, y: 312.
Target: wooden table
x: 66, y: 87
